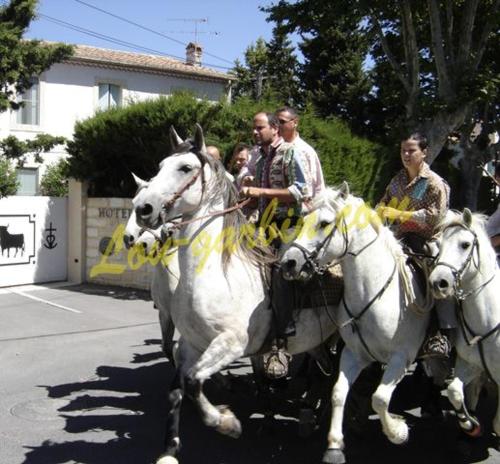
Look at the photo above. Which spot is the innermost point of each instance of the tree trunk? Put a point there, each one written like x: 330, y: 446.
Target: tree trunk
x: 438, y: 129
x: 470, y: 177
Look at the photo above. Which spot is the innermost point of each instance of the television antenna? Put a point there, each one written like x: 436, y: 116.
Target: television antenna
x: 196, y: 21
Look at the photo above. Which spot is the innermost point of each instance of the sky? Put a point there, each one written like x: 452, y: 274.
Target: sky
x: 231, y: 27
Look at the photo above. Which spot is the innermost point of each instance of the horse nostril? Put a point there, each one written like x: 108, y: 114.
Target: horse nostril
x: 128, y: 241
x: 442, y: 284
x: 144, y: 211
x: 290, y: 264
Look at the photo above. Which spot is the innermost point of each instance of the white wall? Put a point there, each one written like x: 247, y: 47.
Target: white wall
x: 43, y: 258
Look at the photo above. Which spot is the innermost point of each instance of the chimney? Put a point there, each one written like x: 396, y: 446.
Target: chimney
x: 193, y: 54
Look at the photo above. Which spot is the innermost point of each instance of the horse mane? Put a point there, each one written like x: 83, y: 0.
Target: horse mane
x: 455, y: 218
x: 330, y: 198
x: 478, y: 226
x: 222, y: 186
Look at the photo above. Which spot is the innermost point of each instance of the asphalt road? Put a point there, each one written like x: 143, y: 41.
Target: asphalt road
x: 82, y: 380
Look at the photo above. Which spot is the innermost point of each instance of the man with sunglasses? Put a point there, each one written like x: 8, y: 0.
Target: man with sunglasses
x: 283, y: 168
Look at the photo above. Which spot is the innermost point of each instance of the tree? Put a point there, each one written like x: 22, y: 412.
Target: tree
x: 15, y: 151
x: 20, y: 59
x: 332, y: 75
x: 429, y: 67
x: 270, y: 71
x: 252, y: 76
x: 54, y: 182
x: 8, y: 179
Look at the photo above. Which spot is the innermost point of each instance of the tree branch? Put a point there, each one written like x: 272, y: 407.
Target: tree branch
x: 466, y: 27
x: 392, y: 60
x: 487, y: 29
x: 450, y: 51
x: 445, y: 88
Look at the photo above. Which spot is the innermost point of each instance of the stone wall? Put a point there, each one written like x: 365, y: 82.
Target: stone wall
x: 104, y: 218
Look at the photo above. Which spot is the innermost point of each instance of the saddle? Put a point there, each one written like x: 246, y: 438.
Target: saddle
x: 322, y: 290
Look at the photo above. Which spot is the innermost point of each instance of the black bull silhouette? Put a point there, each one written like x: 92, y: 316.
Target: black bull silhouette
x: 8, y: 241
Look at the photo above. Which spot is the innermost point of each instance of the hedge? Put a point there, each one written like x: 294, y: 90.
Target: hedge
x: 108, y: 146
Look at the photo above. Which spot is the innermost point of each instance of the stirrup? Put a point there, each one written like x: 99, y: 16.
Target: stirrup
x: 276, y: 363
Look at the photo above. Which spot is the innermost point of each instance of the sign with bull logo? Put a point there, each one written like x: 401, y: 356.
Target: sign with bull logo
x: 17, y: 239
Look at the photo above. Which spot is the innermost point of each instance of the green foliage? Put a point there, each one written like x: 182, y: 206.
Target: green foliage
x: 20, y: 60
x: 270, y: 71
x: 12, y: 148
x: 109, y: 146
x: 54, y: 181
x: 8, y: 179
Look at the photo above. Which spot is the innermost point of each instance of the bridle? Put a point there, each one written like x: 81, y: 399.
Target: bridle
x: 470, y: 337
x: 458, y: 273
x: 311, y: 256
x: 311, y: 260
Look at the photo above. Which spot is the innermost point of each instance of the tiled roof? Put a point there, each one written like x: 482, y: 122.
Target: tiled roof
x: 155, y: 64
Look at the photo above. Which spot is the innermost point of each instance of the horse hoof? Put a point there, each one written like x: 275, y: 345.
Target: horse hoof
x: 475, y: 432
x: 400, y: 436
x: 167, y: 460
x: 228, y: 425
x: 334, y: 456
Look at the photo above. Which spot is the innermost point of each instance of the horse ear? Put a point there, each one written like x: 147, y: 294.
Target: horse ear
x: 140, y: 183
x: 467, y: 217
x: 344, y: 190
x: 175, y: 140
x: 199, y: 139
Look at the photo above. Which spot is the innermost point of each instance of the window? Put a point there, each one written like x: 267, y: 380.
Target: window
x: 28, y: 181
x: 110, y: 95
x: 29, y: 113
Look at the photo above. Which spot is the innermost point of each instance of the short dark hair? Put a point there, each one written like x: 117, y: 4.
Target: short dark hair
x: 419, y: 138
x: 288, y: 109
x: 239, y: 147
x: 272, y: 119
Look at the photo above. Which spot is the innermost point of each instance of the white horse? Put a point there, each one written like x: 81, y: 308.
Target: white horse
x: 165, y: 272
x: 375, y: 321
x: 466, y: 268
x: 221, y: 305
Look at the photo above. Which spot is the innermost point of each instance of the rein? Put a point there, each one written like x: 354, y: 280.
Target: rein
x: 311, y: 261
x: 241, y: 204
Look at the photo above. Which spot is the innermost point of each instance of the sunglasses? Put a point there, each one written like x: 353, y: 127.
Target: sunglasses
x: 284, y: 121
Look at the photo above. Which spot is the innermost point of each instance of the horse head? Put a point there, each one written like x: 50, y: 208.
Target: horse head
x: 321, y: 240
x: 463, y: 247
x: 179, y: 186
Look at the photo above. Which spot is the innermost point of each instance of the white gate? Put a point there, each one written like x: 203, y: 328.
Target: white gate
x: 33, y: 240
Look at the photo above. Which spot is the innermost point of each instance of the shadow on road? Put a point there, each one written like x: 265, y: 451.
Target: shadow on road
x: 118, y: 418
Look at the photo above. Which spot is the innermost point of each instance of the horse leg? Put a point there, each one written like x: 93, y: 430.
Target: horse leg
x: 496, y: 420
x: 395, y: 428
x: 172, y: 439
x: 185, y: 357
x: 465, y: 373
x: 223, y: 350
x: 349, y: 369
x: 167, y: 332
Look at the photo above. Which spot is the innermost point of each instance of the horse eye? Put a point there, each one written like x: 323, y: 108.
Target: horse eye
x: 324, y: 224
x: 465, y: 245
x: 186, y: 168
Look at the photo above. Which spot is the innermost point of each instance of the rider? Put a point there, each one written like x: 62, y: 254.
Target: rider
x: 283, y: 167
x: 415, y: 201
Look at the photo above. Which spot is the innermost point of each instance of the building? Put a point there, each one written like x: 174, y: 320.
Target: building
x: 96, y: 78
